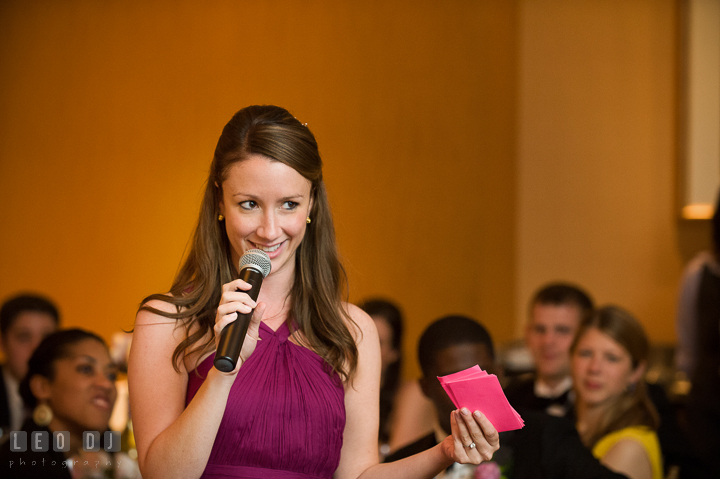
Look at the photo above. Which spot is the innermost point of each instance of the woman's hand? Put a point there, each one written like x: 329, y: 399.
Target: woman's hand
x: 473, y: 440
x: 235, y: 301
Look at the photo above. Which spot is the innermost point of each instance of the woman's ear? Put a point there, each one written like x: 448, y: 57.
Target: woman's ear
x: 639, y: 372
x: 40, y: 387
x: 221, y: 205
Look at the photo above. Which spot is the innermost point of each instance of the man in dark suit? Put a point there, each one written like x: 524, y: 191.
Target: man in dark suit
x: 24, y: 321
x: 556, y: 312
x: 546, y: 448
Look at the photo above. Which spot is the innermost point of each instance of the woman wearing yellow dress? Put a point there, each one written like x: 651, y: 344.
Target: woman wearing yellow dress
x: 615, y: 417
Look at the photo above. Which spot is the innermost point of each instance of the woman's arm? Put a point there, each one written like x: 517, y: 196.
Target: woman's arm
x: 628, y: 457
x: 412, y: 416
x: 359, y: 455
x: 174, y: 441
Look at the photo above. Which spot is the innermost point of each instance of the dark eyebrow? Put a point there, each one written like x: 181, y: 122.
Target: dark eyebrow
x: 285, y: 198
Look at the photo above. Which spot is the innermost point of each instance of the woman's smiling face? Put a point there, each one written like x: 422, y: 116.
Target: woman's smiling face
x: 82, y: 391
x: 265, y: 204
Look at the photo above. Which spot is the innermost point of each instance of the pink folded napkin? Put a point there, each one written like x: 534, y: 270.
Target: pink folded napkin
x: 477, y: 390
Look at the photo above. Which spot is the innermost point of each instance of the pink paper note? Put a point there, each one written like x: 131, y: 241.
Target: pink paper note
x: 477, y: 390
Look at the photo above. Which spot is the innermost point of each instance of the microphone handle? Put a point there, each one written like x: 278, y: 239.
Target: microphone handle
x: 233, y: 335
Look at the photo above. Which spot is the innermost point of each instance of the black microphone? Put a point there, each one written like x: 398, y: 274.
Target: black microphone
x: 254, y: 266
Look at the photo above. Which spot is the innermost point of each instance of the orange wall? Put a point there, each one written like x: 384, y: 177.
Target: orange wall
x: 473, y: 150
x: 109, y: 113
x: 597, y: 95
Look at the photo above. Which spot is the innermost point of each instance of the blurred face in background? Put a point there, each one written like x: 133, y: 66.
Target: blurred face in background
x: 602, y: 369
x: 448, y: 361
x: 82, y: 391
x: 549, y: 336
x: 388, y: 354
x: 22, y: 338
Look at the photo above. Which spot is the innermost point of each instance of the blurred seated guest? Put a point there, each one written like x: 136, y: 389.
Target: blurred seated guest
x: 698, y: 355
x: 556, y: 312
x: 389, y: 324
x: 614, y: 415
x: 546, y: 448
x: 25, y: 320
x: 70, y: 387
x: 405, y: 412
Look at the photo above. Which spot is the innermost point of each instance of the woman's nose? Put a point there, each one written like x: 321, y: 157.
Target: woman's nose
x: 268, y: 226
x: 594, y: 364
x: 104, y: 381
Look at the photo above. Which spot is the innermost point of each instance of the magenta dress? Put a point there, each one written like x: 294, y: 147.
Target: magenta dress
x: 284, y: 417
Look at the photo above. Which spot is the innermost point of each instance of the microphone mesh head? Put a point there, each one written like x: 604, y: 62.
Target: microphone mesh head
x: 257, y: 258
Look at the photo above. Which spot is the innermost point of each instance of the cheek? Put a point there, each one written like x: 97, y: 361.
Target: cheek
x: 533, y: 341
x: 19, y: 353
x: 65, y: 400
x: 566, y: 341
x: 239, y: 228
x: 621, y: 378
x: 297, y: 227
x: 577, y: 366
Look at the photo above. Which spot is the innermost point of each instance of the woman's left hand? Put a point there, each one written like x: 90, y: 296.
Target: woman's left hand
x: 473, y: 440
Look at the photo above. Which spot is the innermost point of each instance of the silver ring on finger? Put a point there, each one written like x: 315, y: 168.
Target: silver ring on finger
x: 471, y: 446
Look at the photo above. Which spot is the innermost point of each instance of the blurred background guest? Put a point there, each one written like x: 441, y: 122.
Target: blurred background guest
x: 448, y: 345
x: 405, y: 413
x: 25, y: 319
x: 698, y: 355
x: 70, y: 387
x: 556, y: 312
x: 614, y: 415
x: 546, y: 448
x: 389, y: 323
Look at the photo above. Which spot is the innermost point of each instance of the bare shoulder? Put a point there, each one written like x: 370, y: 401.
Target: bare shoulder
x: 629, y: 457
x: 363, y: 323
x: 155, y: 333
x: 145, y: 316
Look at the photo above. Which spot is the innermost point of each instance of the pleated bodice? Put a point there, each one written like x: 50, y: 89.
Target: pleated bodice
x: 284, y: 417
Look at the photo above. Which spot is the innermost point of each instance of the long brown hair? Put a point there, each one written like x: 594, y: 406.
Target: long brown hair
x: 320, y: 282
x: 633, y: 407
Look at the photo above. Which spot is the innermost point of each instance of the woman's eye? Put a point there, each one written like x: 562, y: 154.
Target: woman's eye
x: 248, y: 205
x: 613, y: 358
x: 85, y: 369
x: 584, y: 353
x: 112, y: 377
x: 290, y: 205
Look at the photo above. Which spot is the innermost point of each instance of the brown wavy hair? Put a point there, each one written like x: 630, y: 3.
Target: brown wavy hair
x: 634, y: 407
x: 320, y: 283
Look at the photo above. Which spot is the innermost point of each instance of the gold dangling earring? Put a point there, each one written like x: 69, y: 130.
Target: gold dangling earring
x: 42, y: 415
x: 221, y: 217
x: 308, y: 220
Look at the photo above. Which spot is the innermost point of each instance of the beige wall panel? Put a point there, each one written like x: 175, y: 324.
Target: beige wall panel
x: 596, y: 154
